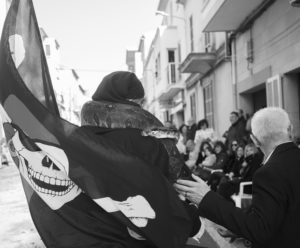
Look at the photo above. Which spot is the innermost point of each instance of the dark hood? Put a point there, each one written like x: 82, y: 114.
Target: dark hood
x: 119, y: 87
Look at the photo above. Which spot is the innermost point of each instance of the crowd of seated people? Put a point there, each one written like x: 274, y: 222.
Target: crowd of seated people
x: 225, y: 162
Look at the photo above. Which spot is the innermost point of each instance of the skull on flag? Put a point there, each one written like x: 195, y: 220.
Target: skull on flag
x: 44, y: 167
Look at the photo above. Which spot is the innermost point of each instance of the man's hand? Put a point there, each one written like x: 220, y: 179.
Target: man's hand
x: 194, y: 191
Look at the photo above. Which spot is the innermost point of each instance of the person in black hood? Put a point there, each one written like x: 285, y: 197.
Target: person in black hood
x: 116, y: 114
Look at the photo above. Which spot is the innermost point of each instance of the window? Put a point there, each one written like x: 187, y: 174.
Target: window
x: 191, y: 33
x: 171, y: 56
x: 207, y: 41
x: 171, y: 67
x: 208, y: 104
x: 193, y: 105
x: 48, y: 53
x: 166, y: 116
x: 274, y: 91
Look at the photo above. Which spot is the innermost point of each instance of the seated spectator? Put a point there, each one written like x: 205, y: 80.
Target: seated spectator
x: 204, y: 132
x: 209, y: 159
x: 202, y: 147
x: 230, y: 170
x: 204, y: 168
x: 234, y: 170
x: 231, y: 156
x: 221, y: 162
x: 222, y: 156
x: 181, y: 144
x: 192, y: 127
x: 252, y: 161
x: 193, y: 154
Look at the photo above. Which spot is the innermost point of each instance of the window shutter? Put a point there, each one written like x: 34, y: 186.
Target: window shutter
x: 274, y: 91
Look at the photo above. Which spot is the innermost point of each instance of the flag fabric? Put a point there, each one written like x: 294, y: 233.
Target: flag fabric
x: 82, y: 190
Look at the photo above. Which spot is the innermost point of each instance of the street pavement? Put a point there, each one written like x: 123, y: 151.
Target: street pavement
x: 17, y: 229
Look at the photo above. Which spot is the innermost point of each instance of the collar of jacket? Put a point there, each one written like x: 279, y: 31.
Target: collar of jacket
x: 280, y: 148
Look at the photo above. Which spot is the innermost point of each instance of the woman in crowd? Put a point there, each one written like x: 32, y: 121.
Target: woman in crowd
x: 230, y: 170
x: 231, y: 156
x: 218, y: 168
x: 206, y: 160
x: 193, y: 154
x: 204, y: 132
x: 252, y: 161
x: 243, y: 172
x: 181, y: 144
x: 236, y: 165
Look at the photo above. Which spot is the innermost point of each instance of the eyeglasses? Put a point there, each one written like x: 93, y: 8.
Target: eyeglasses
x: 234, y: 144
x: 255, y: 139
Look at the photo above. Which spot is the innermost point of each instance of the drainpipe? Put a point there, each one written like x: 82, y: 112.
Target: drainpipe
x: 234, y: 70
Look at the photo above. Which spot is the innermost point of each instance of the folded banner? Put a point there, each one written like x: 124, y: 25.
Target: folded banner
x: 82, y: 189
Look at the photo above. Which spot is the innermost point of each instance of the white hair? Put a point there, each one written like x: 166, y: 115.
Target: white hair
x: 270, y: 124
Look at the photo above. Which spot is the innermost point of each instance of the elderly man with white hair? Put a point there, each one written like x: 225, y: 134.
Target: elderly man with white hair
x: 273, y: 219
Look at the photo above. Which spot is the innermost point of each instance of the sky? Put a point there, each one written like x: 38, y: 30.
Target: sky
x: 94, y: 34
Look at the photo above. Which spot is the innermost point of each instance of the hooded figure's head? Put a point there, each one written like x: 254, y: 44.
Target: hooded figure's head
x: 119, y: 87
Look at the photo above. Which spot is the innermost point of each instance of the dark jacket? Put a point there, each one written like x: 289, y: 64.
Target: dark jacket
x: 237, y: 131
x: 191, y: 131
x: 273, y: 219
x: 130, y: 140
x: 253, y: 163
x: 236, y: 166
x: 222, y: 159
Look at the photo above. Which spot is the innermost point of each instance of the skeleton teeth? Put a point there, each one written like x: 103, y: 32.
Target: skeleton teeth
x: 42, y: 177
x: 52, y: 181
x: 47, y: 179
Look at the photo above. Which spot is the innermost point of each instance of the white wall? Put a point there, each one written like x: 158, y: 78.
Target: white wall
x: 223, y: 98
x: 275, y: 41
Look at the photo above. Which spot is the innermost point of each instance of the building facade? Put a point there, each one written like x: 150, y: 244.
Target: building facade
x: 211, y: 57
x: 188, y: 71
x: 265, y: 39
x: 208, y: 64
x: 70, y: 94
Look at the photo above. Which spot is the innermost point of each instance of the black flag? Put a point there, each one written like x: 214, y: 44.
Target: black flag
x: 82, y: 190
